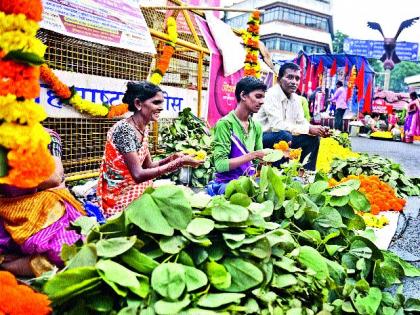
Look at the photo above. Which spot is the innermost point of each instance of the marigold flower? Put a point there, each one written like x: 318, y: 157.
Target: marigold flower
x: 59, y: 88
x: 117, y: 110
x: 19, y: 299
x: 22, y: 112
x: 87, y: 106
x: 17, y: 22
x: 16, y: 40
x: 19, y: 79
x: 31, y: 8
x: 281, y: 145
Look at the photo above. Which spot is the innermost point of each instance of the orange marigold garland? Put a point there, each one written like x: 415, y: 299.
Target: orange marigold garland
x: 19, y: 299
x: 26, y: 161
x: 32, y: 9
x: 59, y: 88
x: 162, y: 63
x: 251, y: 38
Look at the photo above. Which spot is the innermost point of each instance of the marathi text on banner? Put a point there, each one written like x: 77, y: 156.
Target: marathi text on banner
x: 118, y: 23
x: 110, y: 91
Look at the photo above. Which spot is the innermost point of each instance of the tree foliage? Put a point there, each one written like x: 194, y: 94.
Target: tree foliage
x: 338, y: 42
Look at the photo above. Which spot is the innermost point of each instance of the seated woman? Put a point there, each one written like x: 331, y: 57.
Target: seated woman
x: 127, y: 168
x: 237, y: 137
x: 34, y: 222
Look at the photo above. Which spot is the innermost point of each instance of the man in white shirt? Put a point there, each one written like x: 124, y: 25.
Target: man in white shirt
x: 282, y: 116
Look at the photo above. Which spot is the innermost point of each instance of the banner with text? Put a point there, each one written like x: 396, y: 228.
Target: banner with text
x: 117, y: 23
x: 110, y: 91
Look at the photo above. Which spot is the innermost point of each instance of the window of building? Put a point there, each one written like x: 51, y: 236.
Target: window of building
x: 292, y: 45
x: 296, y: 17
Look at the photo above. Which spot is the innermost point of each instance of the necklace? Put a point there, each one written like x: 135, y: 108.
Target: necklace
x: 135, y: 126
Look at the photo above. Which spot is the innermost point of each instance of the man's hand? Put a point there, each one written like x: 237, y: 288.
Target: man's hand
x: 319, y: 131
x: 258, y: 155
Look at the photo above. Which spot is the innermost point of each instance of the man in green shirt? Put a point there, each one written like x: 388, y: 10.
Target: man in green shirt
x: 237, y: 139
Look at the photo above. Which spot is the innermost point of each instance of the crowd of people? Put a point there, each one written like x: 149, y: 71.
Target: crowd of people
x: 34, y: 223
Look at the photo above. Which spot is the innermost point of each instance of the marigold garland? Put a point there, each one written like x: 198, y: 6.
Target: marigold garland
x: 30, y: 8
x: 19, y: 299
x: 22, y: 112
x: 86, y: 106
x: 19, y: 79
x: 162, y: 63
x: 25, y: 140
x: 117, y: 110
x: 16, y: 40
x: 251, y: 38
x: 59, y: 88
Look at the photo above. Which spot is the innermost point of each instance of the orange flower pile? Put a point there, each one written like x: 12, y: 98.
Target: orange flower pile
x: 32, y: 9
x: 295, y: 154
x: 59, y: 88
x: 381, y: 196
x: 18, y: 299
x: 117, y: 110
x: 18, y: 79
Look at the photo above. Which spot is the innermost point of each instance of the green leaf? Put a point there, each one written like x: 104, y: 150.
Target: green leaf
x: 214, y: 300
x: 345, y: 188
x: 166, y: 308
x: 277, y: 184
x: 194, y: 278
x: 339, y: 201
x: 129, y: 310
x: 264, y: 209
x: 174, y: 206
x: 84, y: 258
x: 144, y: 213
x: 168, y: 280
x: 112, y: 247
x: 409, y: 269
x: 139, y: 261
x: 282, y: 281
x: 30, y: 58
x: 200, y: 200
x: 200, y: 226
x: 85, y: 224
x: 312, y: 259
x: 273, y: 156
x: 100, y: 303
x: 70, y: 283
x: 3, y: 162
x: 312, y: 235
x: 412, y: 305
x: 358, y: 248
x: 332, y: 249
x: 329, y: 217
x: 318, y: 187
x: 219, y: 277
x: 356, y: 223
x: 359, y: 202
x: 370, y: 303
x: 244, y: 274
x: 173, y: 244
x: 227, y: 212
x: 118, y: 274
x: 260, y: 249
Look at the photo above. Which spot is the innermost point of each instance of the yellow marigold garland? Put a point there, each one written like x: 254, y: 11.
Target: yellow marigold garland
x: 22, y: 112
x: 162, y: 63
x: 70, y: 96
x: 251, y: 38
x: 22, y: 136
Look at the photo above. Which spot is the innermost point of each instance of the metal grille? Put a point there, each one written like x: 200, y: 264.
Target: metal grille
x: 84, y: 138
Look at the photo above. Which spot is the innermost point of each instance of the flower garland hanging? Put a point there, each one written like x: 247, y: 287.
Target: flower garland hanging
x: 71, y: 97
x: 26, y: 161
x: 251, y: 38
x: 162, y: 64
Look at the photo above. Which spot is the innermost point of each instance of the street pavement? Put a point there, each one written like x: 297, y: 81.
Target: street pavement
x: 406, y: 241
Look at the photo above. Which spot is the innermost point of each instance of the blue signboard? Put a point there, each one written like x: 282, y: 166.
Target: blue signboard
x: 375, y: 49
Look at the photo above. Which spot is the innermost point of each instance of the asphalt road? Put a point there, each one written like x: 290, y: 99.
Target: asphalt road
x: 406, y: 241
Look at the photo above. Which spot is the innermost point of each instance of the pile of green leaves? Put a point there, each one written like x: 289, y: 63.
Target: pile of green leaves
x: 188, y: 132
x: 384, y: 168
x: 276, y: 247
x: 342, y: 138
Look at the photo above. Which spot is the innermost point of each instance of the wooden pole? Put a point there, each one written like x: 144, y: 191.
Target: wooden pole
x: 200, y: 8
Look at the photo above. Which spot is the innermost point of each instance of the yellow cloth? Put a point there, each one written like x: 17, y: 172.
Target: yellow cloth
x: 26, y: 215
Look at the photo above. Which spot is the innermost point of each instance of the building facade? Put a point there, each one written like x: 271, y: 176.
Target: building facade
x: 288, y: 27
